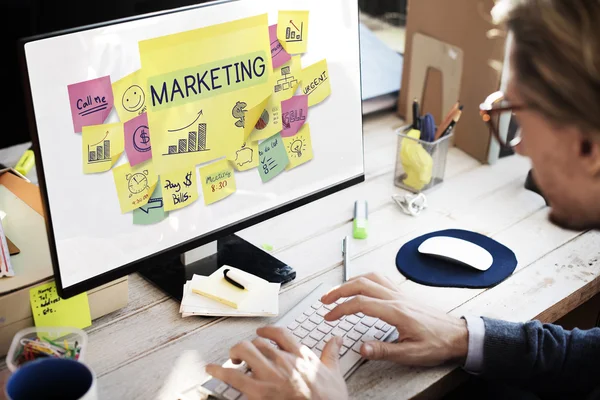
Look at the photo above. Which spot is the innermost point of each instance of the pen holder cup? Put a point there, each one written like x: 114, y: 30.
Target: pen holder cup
x: 420, y: 165
x: 33, y: 343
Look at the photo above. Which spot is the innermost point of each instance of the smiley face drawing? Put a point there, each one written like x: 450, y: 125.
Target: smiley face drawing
x: 137, y: 182
x: 133, y: 99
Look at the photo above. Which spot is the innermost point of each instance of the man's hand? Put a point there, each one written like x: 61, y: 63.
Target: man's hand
x: 427, y: 337
x: 290, y: 371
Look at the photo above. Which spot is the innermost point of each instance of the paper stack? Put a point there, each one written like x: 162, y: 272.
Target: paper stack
x: 220, y: 298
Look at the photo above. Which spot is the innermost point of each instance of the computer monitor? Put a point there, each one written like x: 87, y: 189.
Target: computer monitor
x: 161, y: 133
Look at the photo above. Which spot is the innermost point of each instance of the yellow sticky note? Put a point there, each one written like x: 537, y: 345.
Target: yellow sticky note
x: 130, y: 96
x: 269, y: 122
x: 253, y: 116
x: 287, y: 78
x: 197, y: 100
x: 218, y: 181
x: 180, y: 188
x: 102, y: 147
x: 292, y: 31
x: 49, y: 309
x: 246, y: 157
x: 315, y: 82
x: 134, y: 185
x: 299, y: 147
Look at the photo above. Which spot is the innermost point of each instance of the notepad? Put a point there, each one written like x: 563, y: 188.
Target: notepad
x: 217, y: 288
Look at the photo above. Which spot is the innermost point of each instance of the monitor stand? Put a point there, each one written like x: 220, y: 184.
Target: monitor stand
x: 171, y: 274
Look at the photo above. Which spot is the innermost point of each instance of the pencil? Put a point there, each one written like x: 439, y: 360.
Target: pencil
x: 455, y: 120
x: 446, y: 122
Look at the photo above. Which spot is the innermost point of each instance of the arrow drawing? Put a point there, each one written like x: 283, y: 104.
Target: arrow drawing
x: 152, y: 204
x: 292, y: 22
x: 185, y: 127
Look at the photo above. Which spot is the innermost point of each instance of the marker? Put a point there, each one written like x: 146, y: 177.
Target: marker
x: 359, y: 226
x: 26, y: 162
x: 236, y: 279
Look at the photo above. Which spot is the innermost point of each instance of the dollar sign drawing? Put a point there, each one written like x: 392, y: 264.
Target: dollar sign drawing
x: 188, y: 180
x: 145, y: 138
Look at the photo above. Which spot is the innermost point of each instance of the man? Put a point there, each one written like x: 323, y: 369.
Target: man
x: 554, y: 92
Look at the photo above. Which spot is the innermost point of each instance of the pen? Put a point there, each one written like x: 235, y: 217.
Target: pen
x: 346, y: 261
x: 416, y: 114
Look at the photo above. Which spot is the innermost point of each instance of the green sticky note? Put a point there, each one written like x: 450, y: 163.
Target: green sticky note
x: 50, y: 310
x: 272, y: 157
x: 152, y: 212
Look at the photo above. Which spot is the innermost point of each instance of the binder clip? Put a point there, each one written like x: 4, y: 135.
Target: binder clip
x: 411, y: 204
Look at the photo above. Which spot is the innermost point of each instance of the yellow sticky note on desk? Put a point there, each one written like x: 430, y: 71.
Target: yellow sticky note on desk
x: 102, y: 145
x: 315, y: 82
x: 50, y: 310
x: 292, y: 31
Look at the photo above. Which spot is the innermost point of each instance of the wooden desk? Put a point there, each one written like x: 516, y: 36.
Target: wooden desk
x: 147, y: 351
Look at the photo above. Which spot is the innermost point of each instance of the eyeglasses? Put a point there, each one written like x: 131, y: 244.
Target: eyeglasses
x: 496, y: 109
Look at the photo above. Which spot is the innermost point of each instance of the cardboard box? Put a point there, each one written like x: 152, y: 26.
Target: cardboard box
x: 464, y: 24
x: 25, y: 225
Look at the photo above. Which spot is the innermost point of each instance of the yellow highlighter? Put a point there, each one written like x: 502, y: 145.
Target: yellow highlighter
x: 26, y: 162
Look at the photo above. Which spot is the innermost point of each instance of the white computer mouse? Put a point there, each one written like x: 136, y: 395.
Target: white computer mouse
x: 457, y: 250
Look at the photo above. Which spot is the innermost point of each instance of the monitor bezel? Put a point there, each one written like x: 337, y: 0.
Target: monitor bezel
x: 115, y: 274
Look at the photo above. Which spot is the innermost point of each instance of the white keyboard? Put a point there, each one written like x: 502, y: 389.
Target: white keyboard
x: 305, y: 321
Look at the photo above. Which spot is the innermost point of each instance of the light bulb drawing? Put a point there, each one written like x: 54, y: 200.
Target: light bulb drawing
x: 297, y: 147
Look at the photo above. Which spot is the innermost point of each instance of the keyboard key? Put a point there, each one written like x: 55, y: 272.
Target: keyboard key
x: 333, y: 323
x: 360, y: 315
x: 317, y: 352
x: 386, y: 327
x: 309, y: 326
x: 338, y: 332
x: 322, y: 311
x: 368, y: 321
x: 221, y: 388
x: 353, y: 319
x: 301, y: 318
x: 315, y: 319
x: 301, y: 332
x: 340, y: 301
x: 309, y: 342
x: 330, y: 306
x: 309, y: 312
x: 354, y: 335
x: 345, y: 326
x: 324, y: 327
x: 321, y: 345
x: 379, y: 335
x: 317, y: 335
x: 292, y: 326
x: 357, y: 347
x: 379, y: 324
x: 370, y: 335
x: 343, y: 350
x: 327, y: 337
x: 362, y: 329
x: 231, y: 394
x: 317, y: 305
x: 348, y: 342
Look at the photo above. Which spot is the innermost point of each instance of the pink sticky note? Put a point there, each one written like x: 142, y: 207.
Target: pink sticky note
x: 278, y: 53
x: 293, y: 114
x: 137, y: 140
x: 91, y: 102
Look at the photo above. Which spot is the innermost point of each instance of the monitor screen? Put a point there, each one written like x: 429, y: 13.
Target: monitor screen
x: 163, y: 132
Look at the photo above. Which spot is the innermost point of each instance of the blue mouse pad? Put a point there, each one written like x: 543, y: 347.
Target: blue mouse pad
x: 431, y: 271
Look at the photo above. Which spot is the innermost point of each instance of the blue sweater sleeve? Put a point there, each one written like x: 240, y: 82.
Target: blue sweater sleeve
x: 546, y: 359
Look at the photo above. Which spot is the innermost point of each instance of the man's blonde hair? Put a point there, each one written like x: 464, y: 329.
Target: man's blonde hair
x: 556, y: 57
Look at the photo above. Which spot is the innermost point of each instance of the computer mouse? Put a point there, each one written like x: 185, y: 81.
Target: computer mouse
x: 458, y: 251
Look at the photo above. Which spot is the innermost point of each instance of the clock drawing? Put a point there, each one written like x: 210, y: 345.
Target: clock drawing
x: 137, y: 182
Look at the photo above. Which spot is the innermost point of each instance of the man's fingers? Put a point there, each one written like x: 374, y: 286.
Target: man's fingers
x: 397, y: 352
x: 359, y: 286
x: 233, y: 377
x: 260, y: 365
x: 382, y: 309
x: 330, y: 356
x: 275, y: 355
x: 282, y: 337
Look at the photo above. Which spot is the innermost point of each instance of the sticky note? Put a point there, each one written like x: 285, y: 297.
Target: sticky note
x: 180, y: 188
x: 273, y: 158
x: 246, y: 157
x: 293, y: 114
x: 292, y: 31
x: 315, y: 82
x: 154, y: 211
x: 91, y: 102
x: 287, y: 78
x: 102, y: 145
x: 269, y: 122
x: 278, y: 53
x: 134, y: 185
x: 253, y: 116
x: 201, y: 84
x: 49, y: 309
x: 299, y: 147
x: 130, y: 97
x: 137, y: 140
x: 218, y: 181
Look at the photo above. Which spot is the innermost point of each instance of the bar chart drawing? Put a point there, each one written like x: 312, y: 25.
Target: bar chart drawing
x: 99, y: 152
x: 287, y: 82
x: 294, y: 35
x: 195, y: 142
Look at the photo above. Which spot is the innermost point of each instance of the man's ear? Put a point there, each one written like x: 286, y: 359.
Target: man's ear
x: 589, y: 152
